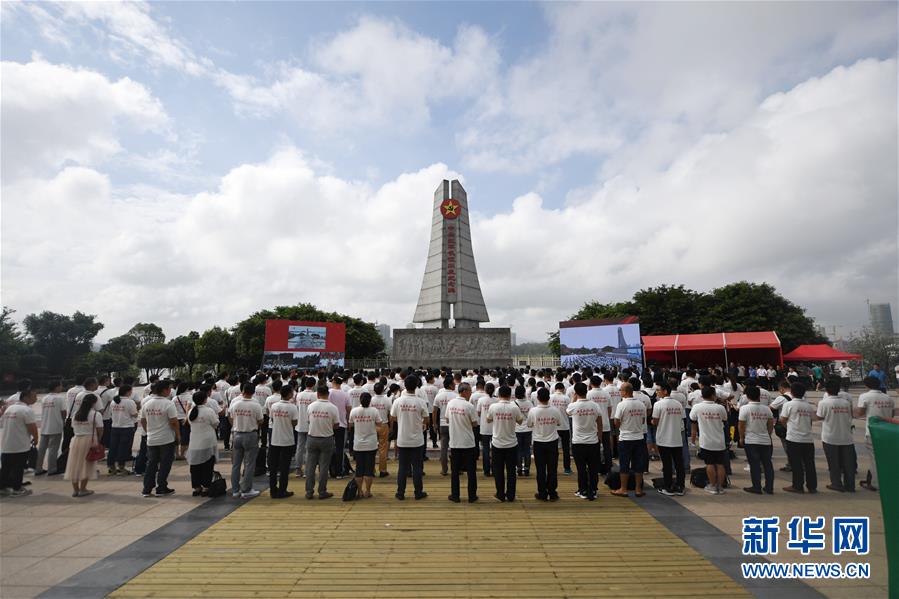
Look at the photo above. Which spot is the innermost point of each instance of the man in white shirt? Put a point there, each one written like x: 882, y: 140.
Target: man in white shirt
x: 17, y: 435
x: 797, y: 414
x: 245, y: 414
x: 668, y: 418
x: 438, y: 415
x: 836, y: 437
x: 709, y: 419
x: 755, y: 424
x: 283, y: 417
x: 410, y: 413
x: 845, y: 376
x: 53, y: 415
x: 630, y: 418
x: 430, y: 391
x: 461, y: 417
x: 159, y: 418
x: 382, y: 403
x: 303, y: 400
x: 873, y: 402
x: 603, y: 399
x: 504, y: 415
x: 324, y: 420
x: 545, y: 420
x: 486, y: 428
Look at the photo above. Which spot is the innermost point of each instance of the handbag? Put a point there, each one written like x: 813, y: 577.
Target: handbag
x: 218, y: 486
x: 97, y: 452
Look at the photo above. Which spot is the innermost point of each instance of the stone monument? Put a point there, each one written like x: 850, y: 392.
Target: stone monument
x: 451, y: 295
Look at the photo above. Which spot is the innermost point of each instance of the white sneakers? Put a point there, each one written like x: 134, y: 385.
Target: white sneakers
x: 711, y: 490
x: 249, y: 494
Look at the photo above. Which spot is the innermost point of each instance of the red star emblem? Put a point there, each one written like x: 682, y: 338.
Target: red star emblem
x: 450, y: 209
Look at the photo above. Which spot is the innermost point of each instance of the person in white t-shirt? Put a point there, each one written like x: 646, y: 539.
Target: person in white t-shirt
x: 504, y: 416
x: 462, y: 416
x: 523, y: 432
x: 630, y: 419
x: 53, y: 415
x: 755, y: 424
x: 668, y: 418
x: 303, y: 400
x: 836, y: 437
x: 324, y: 420
x: 245, y: 414
x: 438, y: 414
x: 382, y: 403
x: 283, y: 416
x: 410, y: 413
x: 202, y: 420
x: 560, y: 400
x: 798, y: 414
x: 544, y: 420
x: 486, y: 428
x: 709, y: 419
x: 603, y: 399
x: 87, y: 426
x: 121, y: 435
x: 159, y: 418
x: 18, y: 434
x: 364, y: 421
x: 873, y: 402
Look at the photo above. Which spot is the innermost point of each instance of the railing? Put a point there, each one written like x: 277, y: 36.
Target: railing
x: 517, y: 361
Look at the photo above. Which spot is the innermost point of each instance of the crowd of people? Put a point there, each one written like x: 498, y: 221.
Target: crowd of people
x: 319, y: 425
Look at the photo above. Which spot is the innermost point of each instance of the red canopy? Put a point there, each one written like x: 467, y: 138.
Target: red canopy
x: 822, y: 353
x: 714, y: 348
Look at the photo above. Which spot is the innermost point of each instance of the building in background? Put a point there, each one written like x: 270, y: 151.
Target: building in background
x: 514, y: 339
x: 384, y: 331
x: 881, y: 319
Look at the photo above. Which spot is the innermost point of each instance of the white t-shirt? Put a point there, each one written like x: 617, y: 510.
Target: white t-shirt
x: 261, y: 394
x: 365, y: 421
x: 711, y: 418
x: 631, y: 413
x: 52, y: 407
x: 836, y: 429
x: 410, y: 412
x: 269, y: 402
x: 799, y: 414
x: 601, y: 397
x: 756, y: 417
x: 560, y: 402
x: 79, y: 398
x: 483, y: 409
x: 461, y: 416
x: 584, y: 428
x: 322, y: 418
x: 182, y: 405
x: 430, y: 392
x: 71, y: 394
x: 158, y: 411
x: 281, y: 416
x: 202, y: 428
x: 525, y: 406
x: 545, y: 420
x: 355, y: 395
x: 504, y: 415
x: 845, y: 372
x: 85, y: 429
x: 245, y: 415
x: 14, y: 435
x: 382, y: 404
x: 670, y: 414
x: 875, y: 403
x: 440, y: 402
x: 303, y: 401
x: 124, y: 413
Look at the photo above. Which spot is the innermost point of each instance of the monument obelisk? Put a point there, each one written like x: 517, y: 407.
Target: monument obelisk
x: 451, y: 294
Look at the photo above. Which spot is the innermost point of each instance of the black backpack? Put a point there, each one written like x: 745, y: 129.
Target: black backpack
x: 351, y: 491
x: 613, y: 481
x: 699, y: 478
x: 218, y: 487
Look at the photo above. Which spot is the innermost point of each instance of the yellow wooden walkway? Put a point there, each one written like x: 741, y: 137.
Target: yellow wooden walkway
x: 380, y: 547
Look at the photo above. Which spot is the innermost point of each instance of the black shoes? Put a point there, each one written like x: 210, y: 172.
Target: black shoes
x: 421, y: 495
x: 454, y: 499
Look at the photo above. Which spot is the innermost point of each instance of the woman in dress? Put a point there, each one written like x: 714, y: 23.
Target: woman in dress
x: 202, y: 421
x: 87, y: 425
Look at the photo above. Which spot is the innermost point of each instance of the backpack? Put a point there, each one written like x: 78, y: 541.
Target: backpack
x: 61, y: 462
x: 699, y: 478
x: 613, y: 481
x: 658, y: 483
x: 218, y: 487
x: 260, y: 469
x: 351, y: 491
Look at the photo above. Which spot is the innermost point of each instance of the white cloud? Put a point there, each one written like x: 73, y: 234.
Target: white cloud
x: 56, y: 114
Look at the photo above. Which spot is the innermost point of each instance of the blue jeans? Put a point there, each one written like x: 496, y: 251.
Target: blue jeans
x: 120, y: 440
x: 159, y: 464
x: 244, y: 447
x: 759, y: 458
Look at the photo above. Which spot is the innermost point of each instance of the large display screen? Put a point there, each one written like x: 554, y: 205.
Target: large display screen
x: 300, y: 344
x: 614, y: 345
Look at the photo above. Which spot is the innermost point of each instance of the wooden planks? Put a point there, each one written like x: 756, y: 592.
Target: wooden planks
x: 433, y: 548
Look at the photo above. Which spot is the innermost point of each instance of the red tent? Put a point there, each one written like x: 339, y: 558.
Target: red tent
x: 818, y: 353
x: 706, y: 349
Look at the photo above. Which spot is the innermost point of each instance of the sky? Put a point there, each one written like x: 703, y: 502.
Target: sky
x: 191, y: 163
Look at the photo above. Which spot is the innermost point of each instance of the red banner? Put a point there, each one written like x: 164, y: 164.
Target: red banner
x: 303, y: 336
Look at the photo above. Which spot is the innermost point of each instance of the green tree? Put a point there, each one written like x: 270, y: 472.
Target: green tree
x: 216, y: 347
x: 60, y: 338
x: 362, y: 338
x: 101, y: 362
x: 123, y: 345
x: 667, y: 310
x: 12, y: 343
x: 875, y: 349
x: 183, y: 351
x: 154, y: 358
x: 145, y: 333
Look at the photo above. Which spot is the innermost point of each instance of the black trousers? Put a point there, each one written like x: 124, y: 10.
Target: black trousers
x: 410, y: 460
x: 201, y: 474
x: 759, y: 458
x: 841, y: 462
x: 546, y: 460
x: 802, y: 462
x: 672, y: 465
x: 606, y: 465
x: 485, y: 454
x: 337, y: 458
x: 504, y: 475
x: 586, y: 458
x: 464, y: 459
x: 225, y: 431
x: 279, y: 457
x: 12, y: 469
x: 524, y: 451
x: 264, y: 432
x: 565, y: 442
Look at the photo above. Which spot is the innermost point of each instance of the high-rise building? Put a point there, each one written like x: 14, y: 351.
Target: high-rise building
x: 881, y: 319
x: 514, y: 339
x: 384, y: 331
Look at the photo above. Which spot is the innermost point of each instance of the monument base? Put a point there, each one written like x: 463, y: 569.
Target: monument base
x: 452, y: 348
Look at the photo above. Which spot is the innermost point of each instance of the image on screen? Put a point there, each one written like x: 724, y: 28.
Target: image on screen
x: 614, y: 346
x: 303, y: 359
x: 305, y: 337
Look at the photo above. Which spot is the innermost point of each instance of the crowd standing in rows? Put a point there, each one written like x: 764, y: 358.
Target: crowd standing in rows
x: 511, y: 421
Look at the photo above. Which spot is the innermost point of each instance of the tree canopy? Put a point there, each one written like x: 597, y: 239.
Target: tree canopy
x: 60, y: 338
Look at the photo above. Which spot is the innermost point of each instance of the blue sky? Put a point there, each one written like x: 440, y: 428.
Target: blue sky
x: 236, y: 156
